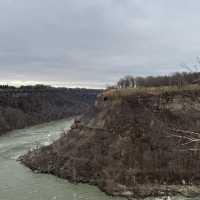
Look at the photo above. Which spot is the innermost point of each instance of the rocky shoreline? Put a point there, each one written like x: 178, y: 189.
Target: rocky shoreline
x: 126, y: 146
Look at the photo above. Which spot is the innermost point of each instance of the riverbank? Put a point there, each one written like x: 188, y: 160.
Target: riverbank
x: 19, y: 183
x: 131, y: 144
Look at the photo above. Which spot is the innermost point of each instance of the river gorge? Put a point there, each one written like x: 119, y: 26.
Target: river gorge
x: 19, y: 183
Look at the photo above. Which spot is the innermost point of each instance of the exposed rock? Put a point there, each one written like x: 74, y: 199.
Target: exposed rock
x: 127, y: 147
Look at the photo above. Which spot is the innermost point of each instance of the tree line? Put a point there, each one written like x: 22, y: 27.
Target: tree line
x: 177, y: 79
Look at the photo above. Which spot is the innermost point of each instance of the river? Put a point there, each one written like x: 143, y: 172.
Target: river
x: 19, y: 183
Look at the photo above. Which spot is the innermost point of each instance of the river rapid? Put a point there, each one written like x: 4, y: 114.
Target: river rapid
x: 19, y: 183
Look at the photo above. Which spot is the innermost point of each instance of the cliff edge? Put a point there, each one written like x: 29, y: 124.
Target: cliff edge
x: 135, y: 144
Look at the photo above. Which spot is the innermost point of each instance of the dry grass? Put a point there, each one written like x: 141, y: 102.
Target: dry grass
x: 124, y: 92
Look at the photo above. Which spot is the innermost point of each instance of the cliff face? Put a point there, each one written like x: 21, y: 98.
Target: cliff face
x: 136, y: 145
x: 24, y: 107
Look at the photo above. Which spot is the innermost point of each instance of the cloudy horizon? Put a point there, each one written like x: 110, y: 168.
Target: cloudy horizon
x: 93, y: 43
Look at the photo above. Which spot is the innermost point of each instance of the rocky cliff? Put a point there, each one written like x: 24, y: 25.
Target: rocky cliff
x: 138, y: 144
x: 25, y: 106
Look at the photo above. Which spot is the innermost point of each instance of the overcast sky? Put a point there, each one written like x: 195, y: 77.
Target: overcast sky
x: 93, y: 43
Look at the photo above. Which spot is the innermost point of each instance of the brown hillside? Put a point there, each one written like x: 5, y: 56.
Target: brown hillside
x: 131, y: 145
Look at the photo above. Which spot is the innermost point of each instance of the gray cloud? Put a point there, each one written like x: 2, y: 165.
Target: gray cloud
x: 94, y: 43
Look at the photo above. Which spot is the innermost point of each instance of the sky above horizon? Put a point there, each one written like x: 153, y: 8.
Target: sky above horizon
x: 93, y: 43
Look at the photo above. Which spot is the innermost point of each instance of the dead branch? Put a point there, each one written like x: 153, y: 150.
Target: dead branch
x: 184, y: 137
x: 185, y: 131
x: 193, y: 137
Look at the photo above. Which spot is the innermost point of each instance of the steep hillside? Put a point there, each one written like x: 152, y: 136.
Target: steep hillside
x: 28, y: 106
x: 131, y: 144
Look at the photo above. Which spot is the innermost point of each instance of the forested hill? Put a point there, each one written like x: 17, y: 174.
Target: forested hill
x: 30, y: 105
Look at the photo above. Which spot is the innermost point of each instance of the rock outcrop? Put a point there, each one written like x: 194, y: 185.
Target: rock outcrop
x: 143, y: 144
